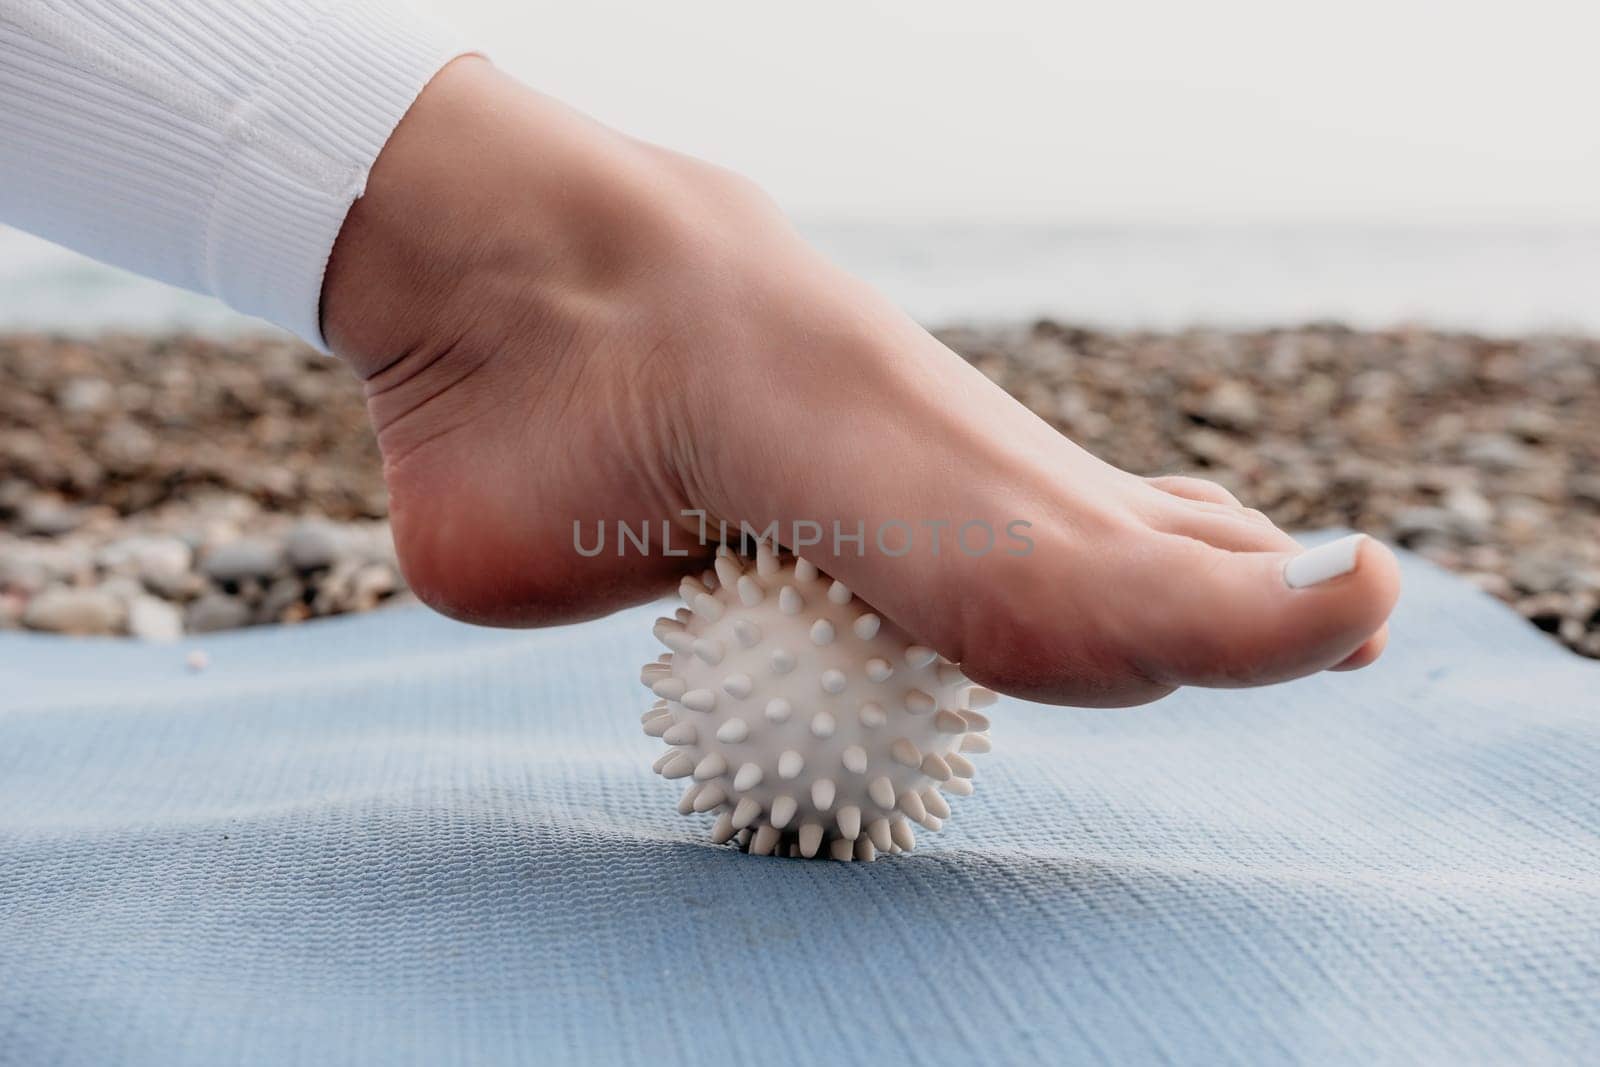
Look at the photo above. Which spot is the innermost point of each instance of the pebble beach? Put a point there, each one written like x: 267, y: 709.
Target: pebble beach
x: 164, y: 486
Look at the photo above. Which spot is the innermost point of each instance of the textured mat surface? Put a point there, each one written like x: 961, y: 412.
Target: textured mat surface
x: 393, y: 839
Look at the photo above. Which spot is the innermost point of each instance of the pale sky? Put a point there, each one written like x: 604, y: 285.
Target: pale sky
x: 1123, y: 111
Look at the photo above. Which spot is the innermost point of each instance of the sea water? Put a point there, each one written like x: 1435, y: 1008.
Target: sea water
x: 1488, y: 279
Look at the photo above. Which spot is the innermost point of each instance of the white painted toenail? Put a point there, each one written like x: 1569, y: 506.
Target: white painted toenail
x: 1323, y: 563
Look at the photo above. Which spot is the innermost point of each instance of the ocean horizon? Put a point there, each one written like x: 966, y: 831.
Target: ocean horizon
x: 1484, y: 279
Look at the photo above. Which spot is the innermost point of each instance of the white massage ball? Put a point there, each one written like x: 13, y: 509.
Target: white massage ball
x: 802, y: 719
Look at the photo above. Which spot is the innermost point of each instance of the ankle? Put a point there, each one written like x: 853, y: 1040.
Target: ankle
x: 491, y: 202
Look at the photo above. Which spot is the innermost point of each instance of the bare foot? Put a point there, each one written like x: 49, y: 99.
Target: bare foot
x: 557, y: 323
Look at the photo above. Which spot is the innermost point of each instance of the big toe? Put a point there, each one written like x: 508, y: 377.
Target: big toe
x: 1220, y: 618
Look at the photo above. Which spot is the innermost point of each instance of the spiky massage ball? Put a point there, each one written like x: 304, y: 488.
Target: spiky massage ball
x: 803, y: 718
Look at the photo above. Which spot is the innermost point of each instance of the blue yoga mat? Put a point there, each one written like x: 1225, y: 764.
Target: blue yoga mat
x: 395, y: 839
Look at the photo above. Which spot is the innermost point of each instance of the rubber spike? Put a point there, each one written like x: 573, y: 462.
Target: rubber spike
x: 683, y: 733
x: 728, y: 570
x: 707, y: 607
x: 700, y: 699
x: 783, y: 809
x: 669, y: 688
x: 849, y: 821
x: 765, y: 840
x: 746, y: 812
x: 911, y: 803
x: 686, y: 802
x: 712, y: 795
x: 711, y: 765
x: 854, y: 759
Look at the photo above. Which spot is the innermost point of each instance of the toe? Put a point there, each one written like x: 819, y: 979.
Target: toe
x: 1221, y: 526
x: 1182, y: 485
x: 1367, y: 654
x: 1251, y: 618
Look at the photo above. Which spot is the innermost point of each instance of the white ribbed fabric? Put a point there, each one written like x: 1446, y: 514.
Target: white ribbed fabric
x: 213, y: 144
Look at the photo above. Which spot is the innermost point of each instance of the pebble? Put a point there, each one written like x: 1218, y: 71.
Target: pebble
x: 1231, y: 405
x: 1469, y: 506
x: 80, y: 396
x: 216, y: 611
x: 1412, y: 525
x: 44, y: 517
x: 239, y: 560
x: 1586, y: 487
x: 283, y: 594
x: 370, y: 584
x: 181, y: 587
x: 151, y: 559
x: 152, y: 619
x: 1495, y: 452
x: 74, y: 611
x: 311, y: 546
